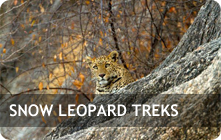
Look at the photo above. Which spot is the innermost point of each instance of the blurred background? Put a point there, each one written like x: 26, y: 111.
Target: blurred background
x: 43, y: 43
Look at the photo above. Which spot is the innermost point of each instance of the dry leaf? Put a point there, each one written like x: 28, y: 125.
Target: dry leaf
x: 106, y: 19
x: 55, y: 113
x: 82, y: 77
x: 59, y: 119
x: 4, y: 50
x: 87, y: 2
x: 172, y: 9
x: 23, y: 26
x: 101, y: 33
x: 77, y: 99
x: 50, y: 76
x: 16, y: 69
x: 100, y: 41
x: 40, y: 86
x: 72, y: 25
x: 72, y: 69
x: 133, y: 29
x: 43, y: 65
x: 78, y: 84
x: 39, y: 39
x: 60, y: 56
x: 33, y: 22
x: 33, y: 36
x: 12, y: 41
x: 0, y: 45
x: 41, y: 8
x: 43, y: 119
x: 15, y: 2
x: 55, y: 58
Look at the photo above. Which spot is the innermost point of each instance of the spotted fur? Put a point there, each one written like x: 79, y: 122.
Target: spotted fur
x: 110, y: 76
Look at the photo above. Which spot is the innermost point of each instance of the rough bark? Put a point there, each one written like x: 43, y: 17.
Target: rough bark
x: 194, y: 67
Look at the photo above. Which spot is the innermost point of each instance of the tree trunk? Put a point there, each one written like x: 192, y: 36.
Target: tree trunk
x: 194, y: 67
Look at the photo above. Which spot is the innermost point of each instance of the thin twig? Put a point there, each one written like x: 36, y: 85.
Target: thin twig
x: 50, y: 88
x: 5, y: 88
x: 64, y: 62
x: 13, y: 8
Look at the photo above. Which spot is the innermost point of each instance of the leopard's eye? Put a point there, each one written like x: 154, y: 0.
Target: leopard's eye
x: 107, y: 65
x: 95, y: 67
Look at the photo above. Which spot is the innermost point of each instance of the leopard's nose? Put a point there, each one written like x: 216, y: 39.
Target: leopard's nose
x: 102, y: 75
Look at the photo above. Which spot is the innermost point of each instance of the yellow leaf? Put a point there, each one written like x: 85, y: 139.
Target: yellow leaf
x: 43, y: 65
x: 16, y: 69
x: 39, y: 39
x: 12, y: 41
x: 55, y: 113
x: 59, y: 83
x: 85, y: 43
x: 15, y: 2
x: 33, y: 22
x: 43, y: 119
x: 101, y: 33
x: 191, y: 20
x: 0, y: 45
x: 55, y: 58
x: 22, y: 1
x: 66, y: 44
x: 72, y: 25
x: 30, y: 18
x: 72, y: 69
x: 100, y: 41
x: 156, y: 55
x: 87, y: 2
x: 78, y: 84
x: 36, y: 43
x: 50, y: 76
x: 106, y: 19
x: 51, y: 1
x: 41, y: 8
x: 23, y: 26
x: 133, y: 29
x: 77, y: 98
x: 69, y: 73
x: 48, y: 87
x: 59, y: 119
x: 163, y: 3
x: 82, y: 77
x: 33, y: 36
x: 91, y: 97
x: 40, y: 86
x: 4, y: 50
x: 195, y: 3
x: 172, y: 10
x: 60, y: 56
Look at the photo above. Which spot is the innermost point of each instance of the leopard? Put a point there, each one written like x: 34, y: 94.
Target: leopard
x: 110, y: 76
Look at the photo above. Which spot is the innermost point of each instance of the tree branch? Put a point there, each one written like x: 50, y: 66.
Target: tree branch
x: 114, y: 32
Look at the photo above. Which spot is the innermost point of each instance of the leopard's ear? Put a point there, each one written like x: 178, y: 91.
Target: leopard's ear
x: 88, y: 60
x: 114, y: 56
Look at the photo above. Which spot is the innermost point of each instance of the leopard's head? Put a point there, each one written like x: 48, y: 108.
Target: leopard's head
x: 104, y: 68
